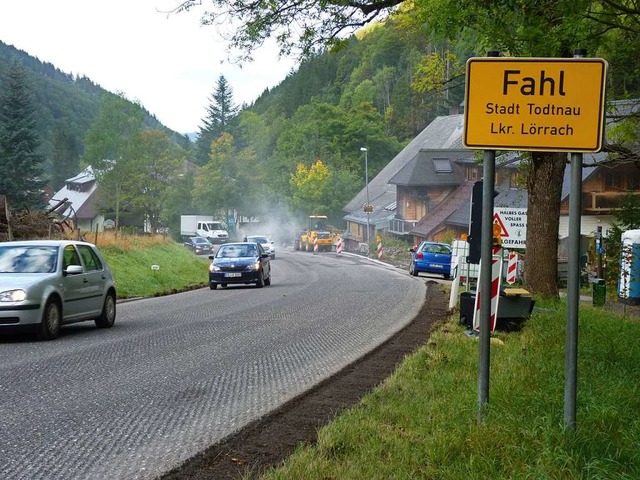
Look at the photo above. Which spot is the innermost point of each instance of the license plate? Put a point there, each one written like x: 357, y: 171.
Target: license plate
x: 433, y: 265
x: 233, y: 274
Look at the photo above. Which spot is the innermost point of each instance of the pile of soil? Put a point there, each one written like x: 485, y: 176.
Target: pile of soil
x: 270, y: 440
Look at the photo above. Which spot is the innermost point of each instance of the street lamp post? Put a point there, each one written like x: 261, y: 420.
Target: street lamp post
x: 366, y: 181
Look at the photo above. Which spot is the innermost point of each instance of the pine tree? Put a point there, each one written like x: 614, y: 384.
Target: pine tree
x: 221, y: 117
x: 20, y: 161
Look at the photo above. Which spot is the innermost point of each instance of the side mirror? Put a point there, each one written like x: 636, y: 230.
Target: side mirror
x: 73, y: 270
x: 412, y: 250
x: 210, y: 257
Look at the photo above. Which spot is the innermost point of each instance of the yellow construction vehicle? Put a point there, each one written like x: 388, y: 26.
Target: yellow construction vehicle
x: 317, y: 232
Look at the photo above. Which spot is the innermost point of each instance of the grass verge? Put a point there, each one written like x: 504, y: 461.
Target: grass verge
x: 422, y: 421
x: 132, y: 258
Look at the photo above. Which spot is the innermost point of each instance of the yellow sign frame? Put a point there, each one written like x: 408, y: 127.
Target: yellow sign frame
x: 535, y: 104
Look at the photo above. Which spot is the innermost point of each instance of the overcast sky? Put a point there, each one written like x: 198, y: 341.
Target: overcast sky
x: 169, y: 63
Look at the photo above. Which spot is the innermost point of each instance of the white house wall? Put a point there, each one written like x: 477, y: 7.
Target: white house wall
x: 89, y: 225
x: 588, y: 224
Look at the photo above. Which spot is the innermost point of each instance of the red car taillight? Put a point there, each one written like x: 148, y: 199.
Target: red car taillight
x: 419, y: 255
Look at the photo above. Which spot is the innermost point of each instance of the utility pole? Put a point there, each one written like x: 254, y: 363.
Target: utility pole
x: 366, y: 181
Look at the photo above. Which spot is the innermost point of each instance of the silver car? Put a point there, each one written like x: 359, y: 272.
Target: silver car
x: 268, y: 245
x: 47, y: 283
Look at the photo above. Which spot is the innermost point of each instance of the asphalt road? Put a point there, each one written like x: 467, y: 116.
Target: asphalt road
x: 179, y: 373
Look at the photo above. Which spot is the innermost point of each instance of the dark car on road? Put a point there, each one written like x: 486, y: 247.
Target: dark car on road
x: 240, y: 263
x: 199, y: 245
x: 431, y: 257
x: 47, y: 283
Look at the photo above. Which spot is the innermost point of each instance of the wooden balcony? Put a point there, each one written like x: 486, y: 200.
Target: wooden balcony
x: 602, y: 202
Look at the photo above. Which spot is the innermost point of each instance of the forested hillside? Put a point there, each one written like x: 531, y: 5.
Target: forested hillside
x: 304, y: 138
x: 299, y: 147
x: 66, y: 106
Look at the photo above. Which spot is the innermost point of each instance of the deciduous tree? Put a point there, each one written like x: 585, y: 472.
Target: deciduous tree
x: 304, y: 26
x: 542, y: 29
x: 225, y: 183
x: 321, y: 189
x: 155, y: 163
x: 109, y: 149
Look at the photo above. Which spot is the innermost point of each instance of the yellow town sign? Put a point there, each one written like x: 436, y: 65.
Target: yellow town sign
x: 545, y: 104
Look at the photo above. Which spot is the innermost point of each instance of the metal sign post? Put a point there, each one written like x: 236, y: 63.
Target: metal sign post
x: 486, y: 254
x: 533, y: 104
x: 573, y: 289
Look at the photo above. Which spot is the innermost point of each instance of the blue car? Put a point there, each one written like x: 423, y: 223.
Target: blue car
x: 431, y: 257
x: 239, y: 263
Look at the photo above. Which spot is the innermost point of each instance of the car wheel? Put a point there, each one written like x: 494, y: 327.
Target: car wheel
x: 213, y: 286
x: 412, y: 270
x: 267, y: 281
x: 446, y: 276
x: 273, y: 257
x: 260, y: 283
x: 108, y: 315
x: 223, y: 285
x: 50, y: 326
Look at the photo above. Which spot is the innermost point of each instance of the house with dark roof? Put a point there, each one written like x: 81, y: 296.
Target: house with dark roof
x: 444, y: 133
x: 428, y: 187
x: 425, y: 191
x: 441, y: 190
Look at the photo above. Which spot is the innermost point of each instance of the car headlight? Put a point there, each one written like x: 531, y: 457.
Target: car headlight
x: 254, y: 266
x: 214, y: 268
x: 17, y: 295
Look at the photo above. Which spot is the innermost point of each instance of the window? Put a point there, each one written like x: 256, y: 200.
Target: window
x: 442, y: 165
x: 516, y: 180
x: 613, y: 181
x: 90, y: 258
x: 28, y: 259
x: 70, y: 257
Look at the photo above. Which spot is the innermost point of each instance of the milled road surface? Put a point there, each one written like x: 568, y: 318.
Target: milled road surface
x: 179, y: 373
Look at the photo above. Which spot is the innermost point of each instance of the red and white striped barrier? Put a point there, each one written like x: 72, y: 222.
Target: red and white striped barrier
x: 512, y: 267
x: 380, y: 249
x: 339, y: 246
x: 315, y: 244
x: 496, y: 270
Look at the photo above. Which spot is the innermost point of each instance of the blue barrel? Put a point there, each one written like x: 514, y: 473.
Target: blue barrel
x: 629, y: 279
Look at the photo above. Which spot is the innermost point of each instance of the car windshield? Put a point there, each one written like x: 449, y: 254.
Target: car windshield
x: 28, y: 259
x: 258, y: 239
x: 200, y: 240
x: 237, y: 251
